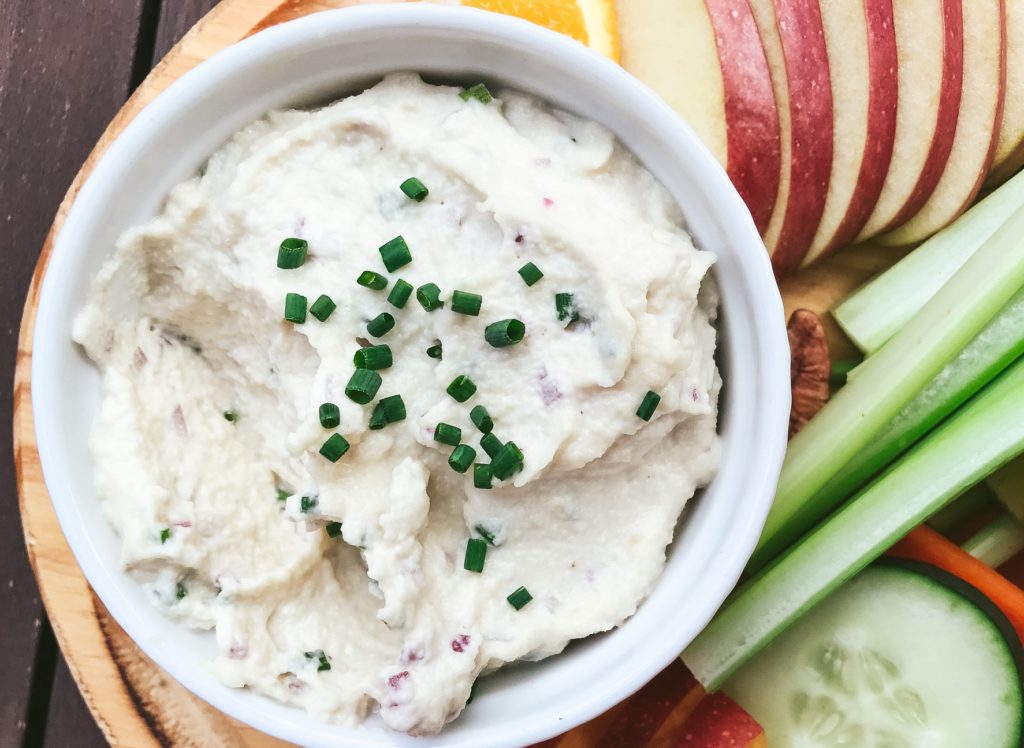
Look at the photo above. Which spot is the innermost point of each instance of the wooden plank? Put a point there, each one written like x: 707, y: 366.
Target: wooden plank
x: 64, y: 72
x: 70, y: 724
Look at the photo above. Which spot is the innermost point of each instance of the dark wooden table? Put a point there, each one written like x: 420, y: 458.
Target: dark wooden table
x: 66, y: 66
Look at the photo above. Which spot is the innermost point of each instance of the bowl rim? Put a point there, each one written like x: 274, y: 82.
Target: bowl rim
x: 206, y: 77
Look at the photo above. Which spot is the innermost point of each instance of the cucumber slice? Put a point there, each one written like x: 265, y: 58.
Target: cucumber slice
x: 903, y: 656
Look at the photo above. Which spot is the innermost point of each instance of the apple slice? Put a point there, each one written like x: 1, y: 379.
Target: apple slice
x: 929, y: 50
x: 1009, y: 156
x: 977, y: 127
x: 860, y: 38
x: 794, y: 44
x: 707, y: 62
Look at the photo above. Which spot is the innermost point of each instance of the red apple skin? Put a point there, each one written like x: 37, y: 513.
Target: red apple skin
x: 810, y: 96
x: 719, y: 722
x: 752, y: 120
x: 643, y: 714
x: 883, y: 71
x: 949, y: 110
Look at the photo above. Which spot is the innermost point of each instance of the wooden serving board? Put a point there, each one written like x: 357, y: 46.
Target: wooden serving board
x: 135, y: 703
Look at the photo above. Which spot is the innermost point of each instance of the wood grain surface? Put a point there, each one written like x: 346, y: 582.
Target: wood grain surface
x: 135, y: 703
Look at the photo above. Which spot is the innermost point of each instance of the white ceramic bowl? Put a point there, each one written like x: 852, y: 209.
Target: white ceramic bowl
x: 321, y: 57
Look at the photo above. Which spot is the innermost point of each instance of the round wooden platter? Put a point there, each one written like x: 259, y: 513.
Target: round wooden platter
x: 135, y: 703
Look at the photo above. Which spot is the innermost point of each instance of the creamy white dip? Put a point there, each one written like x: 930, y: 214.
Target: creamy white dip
x: 185, y: 323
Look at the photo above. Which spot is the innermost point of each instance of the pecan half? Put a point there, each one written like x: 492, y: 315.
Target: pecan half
x: 809, y: 367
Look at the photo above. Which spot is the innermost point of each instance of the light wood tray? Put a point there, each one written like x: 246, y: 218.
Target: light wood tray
x: 136, y: 703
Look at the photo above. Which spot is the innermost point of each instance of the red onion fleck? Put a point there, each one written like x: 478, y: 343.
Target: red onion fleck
x: 460, y: 642
x: 395, y: 681
x: 178, y: 419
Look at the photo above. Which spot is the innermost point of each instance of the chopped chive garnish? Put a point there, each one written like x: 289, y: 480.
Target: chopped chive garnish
x: 476, y: 552
x: 378, y: 419
x: 478, y: 92
x: 461, y: 458
x: 429, y: 296
x: 504, y: 333
x: 565, y: 307
x: 484, y: 533
x: 481, y: 418
x: 491, y: 444
x: 649, y: 405
x: 165, y: 535
x: 530, y: 273
x: 282, y: 495
x: 330, y: 416
x: 482, y: 475
x: 380, y: 325
x: 230, y: 416
x: 434, y: 351
x: 464, y: 302
x: 414, y: 189
x: 400, y: 293
x: 447, y: 434
x: 180, y: 591
x: 308, y: 502
x: 508, y: 461
x: 362, y: 386
x: 333, y: 529
x: 519, y: 598
x: 292, y: 253
x: 323, y: 662
x: 393, y: 408
x: 323, y: 307
x: 462, y: 388
x: 334, y: 448
x: 295, y: 308
x: 372, y: 280
x: 375, y: 357
x: 395, y: 254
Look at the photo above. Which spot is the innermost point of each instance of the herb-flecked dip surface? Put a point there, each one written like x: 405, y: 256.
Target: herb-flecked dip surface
x: 343, y: 427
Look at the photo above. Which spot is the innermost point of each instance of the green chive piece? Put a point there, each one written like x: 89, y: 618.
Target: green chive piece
x: 491, y: 444
x: 323, y: 307
x: 308, y: 502
x: 295, y: 308
x: 400, y: 293
x: 333, y: 529
x: 375, y: 357
x: 378, y: 418
x: 530, y: 273
x: 165, y: 535
x: 519, y: 598
x: 466, y: 303
x: 462, y: 388
x: 504, y: 333
x: 508, y: 461
x: 478, y: 92
x: 429, y: 296
x: 482, y: 475
x: 180, y: 591
x: 282, y: 495
x: 414, y: 189
x: 447, y: 434
x: 372, y: 280
x: 461, y: 458
x: 292, y: 253
x: 335, y: 447
x: 323, y: 662
x: 230, y: 416
x: 393, y: 408
x: 484, y: 533
x: 362, y: 386
x: 434, y: 351
x: 565, y: 307
x: 476, y: 552
x: 330, y: 415
x: 649, y: 405
x: 481, y: 419
x: 380, y: 325
x: 395, y: 254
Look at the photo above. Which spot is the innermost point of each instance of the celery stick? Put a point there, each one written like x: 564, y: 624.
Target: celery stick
x: 1007, y: 484
x: 996, y: 347
x: 874, y: 313
x: 984, y: 434
x: 888, y: 380
x: 997, y: 542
